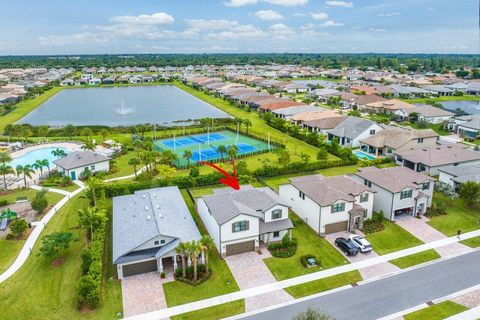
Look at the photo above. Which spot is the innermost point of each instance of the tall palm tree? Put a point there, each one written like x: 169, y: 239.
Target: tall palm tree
x: 59, y: 153
x: 91, y: 218
x: 187, y: 154
x: 5, y: 157
x: 104, y: 133
x: 222, y: 150
x: 46, y: 164
x: 94, y: 184
x: 182, y: 251
x: 4, y: 170
x: 194, y: 250
x: 134, y: 162
x: 38, y: 165
x: 206, y: 245
x: 247, y: 123
x: 89, y: 145
x: 232, y: 151
x: 26, y: 171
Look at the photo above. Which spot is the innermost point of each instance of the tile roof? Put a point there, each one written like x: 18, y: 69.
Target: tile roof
x: 314, y: 115
x: 276, y: 225
x: 395, y: 137
x: 393, y: 179
x: 429, y: 111
x: 327, y: 123
x: 440, y: 155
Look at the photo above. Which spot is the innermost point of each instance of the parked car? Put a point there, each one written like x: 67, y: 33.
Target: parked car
x: 347, y: 246
x: 361, y: 243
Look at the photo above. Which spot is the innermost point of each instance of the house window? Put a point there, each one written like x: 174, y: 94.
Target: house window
x: 399, y: 158
x: 389, y: 150
x: 276, y: 214
x: 156, y: 243
x: 405, y: 194
x: 338, y: 207
x: 301, y: 195
x: 367, y: 183
x: 92, y: 167
x: 364, y: 197
x: 372, y: 131
x: 276, y: 234
x: 239, y: 226
x: 162, y: 241
x: 426, y: 185
x: 420, y: 140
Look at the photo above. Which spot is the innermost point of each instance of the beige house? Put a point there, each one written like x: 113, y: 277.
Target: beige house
x: 388, y: 106
x: 315, y: 115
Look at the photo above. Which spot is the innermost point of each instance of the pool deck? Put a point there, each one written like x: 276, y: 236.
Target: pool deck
x: 70, y: 146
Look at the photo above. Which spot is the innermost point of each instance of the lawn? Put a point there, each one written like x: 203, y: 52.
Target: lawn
x: 391, y: 239
x: 459, y: 217
x: 438, y: 128
x: 9, y: 250
x: 49, y: 292
x: 221, y: 282
x: 124, y: 169
x: 440, y: 99
x: 309, y: 288
x: 309, y: 242
x: 438, y: 311
x: 213, y: 313
x: 12, y: 196
x: 203, y: 191
x: 415, y: 259
x: 472, y: 242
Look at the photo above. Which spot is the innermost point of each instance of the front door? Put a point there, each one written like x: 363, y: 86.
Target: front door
x: 73, y: 175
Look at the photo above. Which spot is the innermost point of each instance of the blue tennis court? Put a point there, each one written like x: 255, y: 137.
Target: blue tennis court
x: 212, y: 154
x: 193, y: 140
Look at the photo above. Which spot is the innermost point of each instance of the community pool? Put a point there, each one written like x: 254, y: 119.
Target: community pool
x: 34, y: 155
x: 363, y: 155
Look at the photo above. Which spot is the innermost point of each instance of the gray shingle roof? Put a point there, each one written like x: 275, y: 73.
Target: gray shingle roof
x: 440, y: 155
x: 393, y: 179
x: 351, y: 127
x: 142, y: 216
x: 277, y: 225
x: 80, y: 159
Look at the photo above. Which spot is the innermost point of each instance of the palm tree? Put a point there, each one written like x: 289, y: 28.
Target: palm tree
x: 4, y: 170
x: 232, y: 151
x: 91, y: 218
x: 138, y: 144
x: 134, y: 162
x: 94, y: 184
x: 194, y: 251
x: 104, y: 133
x: 5, y: 157
x: 247, y: 123
x: 43, y: 131
x: 187, y: 154
x: 38, y: 165
x: 26, y: 171
x: 222, y: 150
x: 46, y: 164
x: 89, y: 145
x: 206, y: 245
x: 239, y: 122
x: 182, y: 250
x: 168, y: 157
x: 59, y: 153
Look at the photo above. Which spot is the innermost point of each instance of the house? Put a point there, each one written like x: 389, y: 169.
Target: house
x: 287, y: 113
x: 428, y: 113
x: 455, y: 176
x: 315, y: 115
x: 94, y: 81
x: 329, y: 204
x: 147, y: 226
x: 470, y: 128
x: 322, y: 125
x: 238, y: 221
x: 399, y: 190
x: 76, y: 163
x: 393, y: 139
x: 387, y: 107
x: 349, y: 132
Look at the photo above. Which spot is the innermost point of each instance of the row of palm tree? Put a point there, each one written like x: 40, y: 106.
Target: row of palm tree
x: 5, y: 168
x: 246, y: 122
x: 191, y: 250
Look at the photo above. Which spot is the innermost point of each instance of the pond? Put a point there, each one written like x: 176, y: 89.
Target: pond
x: 467, y: 106
x: 121, y: 106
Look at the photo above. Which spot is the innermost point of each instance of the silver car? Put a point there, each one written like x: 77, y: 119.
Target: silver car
x: 361, y: 243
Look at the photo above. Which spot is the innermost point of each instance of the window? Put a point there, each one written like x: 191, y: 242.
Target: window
x: 92, y: 167
x: 406, y: 194
x: 162, y: 242
x: 276, y: 214
x: 399, y: 158
x: 338, y: 207
x: 239, y: 226
x: 372, y: 131
x: 420, y: 140
x: 389, y: 150
x: 156, y: 243
x: 276, y: 234
x: 364, y: 197
x: 426, y: 185
x: 301, y: 195
x: 367, y: 183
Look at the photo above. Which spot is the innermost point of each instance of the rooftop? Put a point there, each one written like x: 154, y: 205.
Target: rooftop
x: 440, y: 155
x: 393, y: 179
x: 79, y: 159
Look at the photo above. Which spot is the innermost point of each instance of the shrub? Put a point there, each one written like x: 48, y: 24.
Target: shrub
x: 304, y: 258
x: 374, y: 224
x: 435, y: 211
x: 3, y: 202
x: 162, y: 275
x: 39, y: 203
x: 18, y: 227
x: 9, y: 236
x: 284, y: 249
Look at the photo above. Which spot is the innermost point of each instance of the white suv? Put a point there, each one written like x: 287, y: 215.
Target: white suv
x: 361, y: 243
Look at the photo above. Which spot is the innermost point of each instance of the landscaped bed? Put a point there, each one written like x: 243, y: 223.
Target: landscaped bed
x: 392, y: 238
x: 438, y: 311
x: 416, y: 258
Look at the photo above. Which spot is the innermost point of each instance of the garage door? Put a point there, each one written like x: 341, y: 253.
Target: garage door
x: 336, y: 227
x: 241, y: 247
x: 138, y: 268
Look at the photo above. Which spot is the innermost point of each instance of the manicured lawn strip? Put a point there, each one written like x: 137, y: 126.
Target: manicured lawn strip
x: 415, y: 259
x: 203, y: 191
x: 49, y: 292
x: 309, y: 242
x: 213, y: 313
x: 339, y: 280
x: 221, y: 281
x: 392, y: 238
x: 11, y: 197
x: 459, y: 217
x: 9, y: 250
x: 472, y: 242
x: 438, y: 311
x: 124, y: 169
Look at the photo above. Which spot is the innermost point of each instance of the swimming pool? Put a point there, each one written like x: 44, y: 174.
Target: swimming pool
x: 34, y: 155
x: 363, y: 155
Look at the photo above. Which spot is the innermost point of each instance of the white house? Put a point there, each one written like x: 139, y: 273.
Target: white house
x: 76, y: 163
x: 94, y: 81
x: 353, y: 129
x: 329, y: 204
x: 428, y: 114
x: 399, y: 190
x: 455, y: 176
x: 239, y: 220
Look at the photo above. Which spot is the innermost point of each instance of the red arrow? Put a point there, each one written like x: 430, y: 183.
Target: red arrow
x: 228, y: 180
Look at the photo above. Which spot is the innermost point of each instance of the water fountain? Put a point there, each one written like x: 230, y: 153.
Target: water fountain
x: 123, y: 111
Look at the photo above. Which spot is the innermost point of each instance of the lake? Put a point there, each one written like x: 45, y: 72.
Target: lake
x: 121, y: 106
x: 468, y: 106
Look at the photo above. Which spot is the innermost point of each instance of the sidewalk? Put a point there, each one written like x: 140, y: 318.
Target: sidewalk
x: 27, y: 247
x: 467, y: 315
x: 125, y: 177
x: 251, y: 292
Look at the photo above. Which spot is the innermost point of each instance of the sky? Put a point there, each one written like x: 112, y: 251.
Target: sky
x: 238, y: 26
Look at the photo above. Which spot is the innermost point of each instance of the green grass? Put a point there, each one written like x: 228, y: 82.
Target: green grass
x: 438, y: 311
x: 472, y: 242
x: 415, y: 259
x: 438, y: 128
x: 339, y: 280
x: 124, y: 169
x: 203, y: 191
x: 12, y: 196
x: 49, y: 292
x: 9, y: 250
x: 221, y: 281
x: 459, y: 217
x: 440, y: 99
x: 309, y: 242
x: 213, y: 313
x: 391, y: 239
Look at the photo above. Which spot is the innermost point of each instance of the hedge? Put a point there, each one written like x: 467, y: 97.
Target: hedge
x: 284, y: 249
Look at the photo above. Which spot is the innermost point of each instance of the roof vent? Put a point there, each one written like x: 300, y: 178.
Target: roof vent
x: 154, y: 195
x: 157, y: 206
x: 160, y: 215
x: 148, y: 218
x: 144, y: 196
x: 146, y: 209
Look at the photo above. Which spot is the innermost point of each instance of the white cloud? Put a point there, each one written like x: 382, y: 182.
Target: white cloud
x: 268, y: 15
x: 281, y: 31
x: 331, y: 23
x: 319, y: 15
x: 357, y: 27
x: 240, y: 3
x: 158, y: 18
x: 201, y: 24
x: 388, y: 14
x: 285, y: 3
x: 377, y: 30
x: 299, y: 14
x: 343, y: 4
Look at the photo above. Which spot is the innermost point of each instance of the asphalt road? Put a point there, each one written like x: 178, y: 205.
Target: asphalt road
x: 390, y: 295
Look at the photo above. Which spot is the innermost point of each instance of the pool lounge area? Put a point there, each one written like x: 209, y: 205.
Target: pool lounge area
x: 362, y: 155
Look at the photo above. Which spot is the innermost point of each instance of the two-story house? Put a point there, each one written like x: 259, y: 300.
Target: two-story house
x: 349, y: 132
x: 329, y: 204
x: 399, y: 190
x: 239, y: 220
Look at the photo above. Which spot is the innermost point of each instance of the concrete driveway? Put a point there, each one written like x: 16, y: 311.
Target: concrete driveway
x: 143, y: 293
x: 250, y: 271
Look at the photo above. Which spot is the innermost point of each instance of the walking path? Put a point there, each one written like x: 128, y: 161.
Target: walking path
x: 39, y: 226
x: 125, y: 177
x: 37, y: 187
x: 271, y: 287
x: 473, y: 313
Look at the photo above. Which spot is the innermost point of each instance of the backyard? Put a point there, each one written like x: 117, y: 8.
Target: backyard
x: 392, y: 238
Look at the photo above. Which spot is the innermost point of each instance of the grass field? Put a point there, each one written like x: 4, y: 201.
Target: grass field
x: 9, y: 250
x: 12, y: 196
x: 472, y: 242
x: 391, y: 239
x: 213, y: 313
x: 438, y: 311
x: 415, y: 259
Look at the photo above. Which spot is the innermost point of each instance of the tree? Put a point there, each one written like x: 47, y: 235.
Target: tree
x: 187, y: 154
x: 46, y: 164
x: 38, y: 165
x: 40, y: 202
x: 305, y: 157
x: 222, y: 150
x: 207, y: 244
x: 247, y: 123
x: 70, y: 130
x: 92, y: 218
x: 104, y: 133
x: 232, y: 151
x: 54, y: 242
x: 5, y: 158
x: 134, y: 162
x: 239, y: 123
x: 413, y: 117
x: 168, y: 157
x: 194, y: 249
x: 470, y: 193
x: 283, y: 156
x: 59, y: 153
x: 43, y: 131
x: 312, y: 314
x: 94, y: 188
x: 18, y: 227
x: 322, y: 154
x: 26, y: 132
x: 4, y: 170
x: 89, y: 145
x: 26, y: 171
x: 182, y: 251
x: 87, y: 133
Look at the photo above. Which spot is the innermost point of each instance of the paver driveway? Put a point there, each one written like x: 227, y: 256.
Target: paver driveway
x: 143, y: 293
x: 250, y: 271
